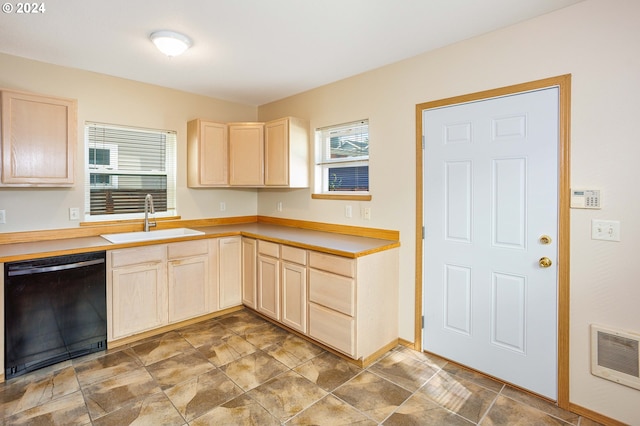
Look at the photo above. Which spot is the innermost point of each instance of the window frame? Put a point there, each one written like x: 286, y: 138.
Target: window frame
x: 324, y: 162
x: 169, y: 172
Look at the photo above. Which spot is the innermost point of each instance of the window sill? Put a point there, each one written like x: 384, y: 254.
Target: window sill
x: 126, y: 221
x: 355, y: 197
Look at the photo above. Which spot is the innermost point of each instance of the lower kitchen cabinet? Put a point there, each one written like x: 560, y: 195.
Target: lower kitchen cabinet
x: 157, y: 285
x: 348, y: 304
x: 269, y: 279
x: 282, y: 284
x: 353, y: 302
x: 294, y: 288
x: 136, y: 290
x: 189, y: 280
x: 229, y: 271
x: 249, y: 257
x: 333, y: 328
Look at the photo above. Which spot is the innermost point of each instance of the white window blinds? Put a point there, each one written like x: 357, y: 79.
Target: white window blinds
x: 123, y: 165
x: 343, y: 157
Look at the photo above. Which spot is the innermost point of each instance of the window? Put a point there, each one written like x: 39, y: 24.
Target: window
x: 342, y: 159
x: 124, y: 164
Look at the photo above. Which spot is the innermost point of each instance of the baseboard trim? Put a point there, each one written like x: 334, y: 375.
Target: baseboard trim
x: 156, y: 331
x: 592, y: 415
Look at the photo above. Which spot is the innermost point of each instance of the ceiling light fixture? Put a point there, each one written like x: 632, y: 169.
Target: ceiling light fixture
x: 170, y: 43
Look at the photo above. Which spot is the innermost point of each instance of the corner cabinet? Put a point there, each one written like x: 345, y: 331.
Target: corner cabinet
x: 246, y: 154
x: 39, y: 136
x: 256, y: 155
x: 207, y: 154
x: 347, y: 304
x: 286, y: 158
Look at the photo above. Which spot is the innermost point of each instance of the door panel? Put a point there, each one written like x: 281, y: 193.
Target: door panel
x: 490, y: 190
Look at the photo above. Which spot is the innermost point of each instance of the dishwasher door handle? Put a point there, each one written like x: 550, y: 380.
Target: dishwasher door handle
x: 42, y: 269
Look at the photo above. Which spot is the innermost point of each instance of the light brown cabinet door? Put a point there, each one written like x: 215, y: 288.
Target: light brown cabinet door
x: 286, y: 153
x: 207, y: 154
x: 294, y: 296
x: 246, y: 154
x: 249, y: 272
x: 39, y: 136
x: 230, y: 272
x: 269, y: 286
x: 276, y: 157
x: 188, y: 287
x: 139, y: 300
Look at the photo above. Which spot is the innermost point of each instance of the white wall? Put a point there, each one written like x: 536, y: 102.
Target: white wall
x: 597, y: 42
x: 117, y: 101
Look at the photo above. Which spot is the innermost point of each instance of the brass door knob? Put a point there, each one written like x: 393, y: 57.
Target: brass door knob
x: 544, y: 262
x: 545, y: 239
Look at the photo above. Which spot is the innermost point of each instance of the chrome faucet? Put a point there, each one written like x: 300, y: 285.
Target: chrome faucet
x: 148, y: 202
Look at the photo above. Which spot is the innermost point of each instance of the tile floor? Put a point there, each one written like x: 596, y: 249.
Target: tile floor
x: 240, y: 369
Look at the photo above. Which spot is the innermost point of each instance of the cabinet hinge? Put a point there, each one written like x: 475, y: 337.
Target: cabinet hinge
x: 423, y: 232
x: 422, y: 322
x: 423, y: 141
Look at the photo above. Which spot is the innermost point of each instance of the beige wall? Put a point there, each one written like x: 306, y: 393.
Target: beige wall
x: 118, y: 101
x: 597, y: 42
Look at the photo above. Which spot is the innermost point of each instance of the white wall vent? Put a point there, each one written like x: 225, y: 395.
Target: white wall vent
x: 615, y: 355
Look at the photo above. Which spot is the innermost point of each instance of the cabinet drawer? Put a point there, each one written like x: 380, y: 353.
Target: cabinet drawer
x: 333, y: 291
x: 332, y: 328
x: 294, y: 254
x: 336, y: 264
x: 187, y: 248
x: 132, y: 256
x: 268, y: 248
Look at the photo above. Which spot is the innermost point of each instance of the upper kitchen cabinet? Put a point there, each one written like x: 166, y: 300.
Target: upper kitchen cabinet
x: 207, y: 154
x: 246, y: 154
x: 38, y: 139
x: 286, y: 161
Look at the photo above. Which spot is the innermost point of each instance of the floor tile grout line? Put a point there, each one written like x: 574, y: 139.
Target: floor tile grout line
x: 244, y: 324
x: 488, y: 410
x: 540, y: 410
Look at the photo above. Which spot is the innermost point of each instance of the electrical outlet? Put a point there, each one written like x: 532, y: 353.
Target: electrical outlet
x: 223, y: 206
x: 279, y: 206
x: 3, y: 216
x: 366, y: 213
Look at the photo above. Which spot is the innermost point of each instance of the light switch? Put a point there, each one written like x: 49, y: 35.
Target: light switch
x: 74, y: 213
x: 348, y: 212
x: 608, y: 230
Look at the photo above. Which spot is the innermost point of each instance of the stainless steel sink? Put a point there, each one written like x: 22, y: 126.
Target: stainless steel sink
x: 132, y: 237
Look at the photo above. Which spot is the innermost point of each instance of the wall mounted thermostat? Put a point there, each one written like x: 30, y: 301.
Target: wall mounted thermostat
x: 585, y: 198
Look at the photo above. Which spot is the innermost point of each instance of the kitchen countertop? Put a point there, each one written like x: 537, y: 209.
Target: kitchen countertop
x: 328, y: 242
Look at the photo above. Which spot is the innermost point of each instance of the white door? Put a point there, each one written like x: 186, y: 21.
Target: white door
x: 490, y: 195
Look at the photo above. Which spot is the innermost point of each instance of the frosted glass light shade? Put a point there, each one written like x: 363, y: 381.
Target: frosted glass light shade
x: 170, y: 43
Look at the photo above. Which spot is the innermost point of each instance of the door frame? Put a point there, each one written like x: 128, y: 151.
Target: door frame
x: 563, y: 83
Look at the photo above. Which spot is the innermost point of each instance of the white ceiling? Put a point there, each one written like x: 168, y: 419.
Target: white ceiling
x: 252, y: 51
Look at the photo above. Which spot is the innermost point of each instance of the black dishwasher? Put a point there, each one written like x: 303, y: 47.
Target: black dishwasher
x: 55, y: 309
